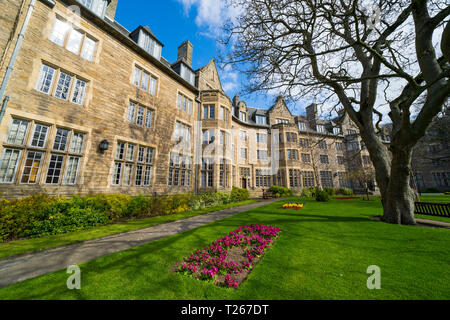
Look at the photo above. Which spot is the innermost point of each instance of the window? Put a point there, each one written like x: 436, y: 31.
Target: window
x: 139, y: 115
x: 131, y: 169
x: 291, y: 137
x: 76, y: 145
x: 78, y: 92
x: 344, y: 182
x: 353, y: 146
x: 184, y: 103
x: 208, y: 112
x: 222, y: 138
x: 419, y: 180
x: 78, y: 42
x: 74, y: 42
x: 336, y: 130
x: 339, y: 146
x: 39, y: 136
x: 324, y: 159
x: 340, y: 160
x: 31, y: 167
x: 304, y: 143
x: 222, y: 113
x: 306, y: 158
x: 262, y: 154
x: 308, y: 179
x: 323, y: 145
x: 285, y: 121
x: 261, y: 120
x: 17, y: 132
x: 54, y: 169
x: 187, y: 74
x: 183, y: 132
x: 208, y: 136
x: 243, y: 135
x: 263, y: 178
x: 434, y: 148
x: 326, y: 178
x: 224, y: 173
x: 207, y: 173
x: 320, y: 128
x: 243, y: 116
x: 292, y: 154
x: 261, y: 138
x: 243, y: 153
x: 65, y: 84
x: 8, y: 165
x: 302, y: 126
x: 280, y: 177
x: 144, y: 80
x: 351, y: 132
x: 294, y: 178
x: 60, y: 142
x: 441, y: 179
x: 149, y: 44
x: 45, y: 79
x: 179, y: 170
x: 96, y: 6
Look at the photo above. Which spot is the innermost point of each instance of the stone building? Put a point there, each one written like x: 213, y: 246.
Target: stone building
x: 90, y: 107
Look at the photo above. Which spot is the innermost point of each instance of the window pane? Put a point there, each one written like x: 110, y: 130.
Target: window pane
x: 144, y: 83
x: 137, y: 76
x: 39, y: 136
x: 74, y: 43
x: 141, y: 154
x: 8, y: 165
x: 60, y: 29
x: 149, y: 158
x: 147, y: 175
x: 76, y: 146
x: 130, y: 152
x: 140, y: 116
x: 31, y: 167
x: 117, y: 173
x: 54, y: 169
x: 128, y: 170
x: 17, y: 132
x: 61, y: 140
x: 62, y: 89
x: 71, y: 170
x: 45, y: 79
x: 131, y: 112
x: 148, y: 118
x: 78, y: 92
x: 152, y: 86
x: 138, y: 179
x: 88, y: 49
x: 120, y: 150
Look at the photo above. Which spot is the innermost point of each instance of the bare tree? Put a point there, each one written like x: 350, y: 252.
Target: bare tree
x: 338, y: 52
x: 364, y: 176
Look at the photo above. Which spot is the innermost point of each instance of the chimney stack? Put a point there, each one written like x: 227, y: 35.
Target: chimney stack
x: 185, y: 51
x: 111, y: 9
x: 311, y: 114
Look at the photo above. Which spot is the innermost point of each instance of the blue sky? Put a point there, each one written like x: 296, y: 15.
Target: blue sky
x: 199, y: 21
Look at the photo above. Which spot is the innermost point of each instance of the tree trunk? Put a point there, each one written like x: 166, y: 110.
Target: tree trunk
x: 398, y: 204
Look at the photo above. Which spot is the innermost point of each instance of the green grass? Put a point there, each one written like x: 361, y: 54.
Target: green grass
x: 17, y: 247
x: 322, y: 253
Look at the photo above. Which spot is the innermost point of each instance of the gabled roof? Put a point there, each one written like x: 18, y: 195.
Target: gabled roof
x: 209, y: 65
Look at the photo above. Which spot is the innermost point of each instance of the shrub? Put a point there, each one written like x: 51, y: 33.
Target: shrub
x: 344, y: 191
x: 238, y: 194
x: 329, y: 190
x: 282, y: 191
x: 431, y: 190
x: 308, y: 192
x: 322, y: 196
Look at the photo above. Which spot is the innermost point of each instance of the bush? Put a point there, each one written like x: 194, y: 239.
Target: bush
x: 238, y: 194
x: 344, y: 191
x: 329, y: 190
x: 282, y: 191
x: 308, y: 192
x: 431, y: 190
x: 322, y: 196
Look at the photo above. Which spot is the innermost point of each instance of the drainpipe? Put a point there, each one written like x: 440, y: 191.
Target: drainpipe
x: 10, y: 67
x: 197, y: 143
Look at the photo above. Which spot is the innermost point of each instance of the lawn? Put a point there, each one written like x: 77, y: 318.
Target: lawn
x: 322, y: 253
x: 17, y: 247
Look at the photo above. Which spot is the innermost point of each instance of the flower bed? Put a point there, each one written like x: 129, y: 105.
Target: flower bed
x: 228, y: 261
x: 294, y: 206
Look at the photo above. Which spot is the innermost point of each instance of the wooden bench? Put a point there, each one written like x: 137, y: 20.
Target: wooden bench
x: 432, y: 209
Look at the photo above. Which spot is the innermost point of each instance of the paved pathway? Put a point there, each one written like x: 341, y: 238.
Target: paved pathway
x: 31, y: 265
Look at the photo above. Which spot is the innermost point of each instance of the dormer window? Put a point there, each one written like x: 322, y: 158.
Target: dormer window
x: 336, y: 130
x: 320, y: 128
x: 302, y: 126
x: 260, y: 120
x: 149, y: 44
x: 187, y: 74
x: 96, y: 6
x: 243, y: 116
